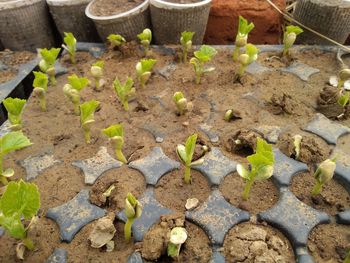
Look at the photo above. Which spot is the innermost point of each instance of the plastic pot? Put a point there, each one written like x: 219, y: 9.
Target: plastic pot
x: 127, y: 24
x: 69, y: 16
x: 170, y: 19
x: 328, y: 17
x: 25, y: 25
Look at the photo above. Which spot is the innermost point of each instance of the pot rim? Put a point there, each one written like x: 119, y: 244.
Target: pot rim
x: 138, y: 9
x: 169, y: 5
x: 16, y: 3
x: 66, y: 2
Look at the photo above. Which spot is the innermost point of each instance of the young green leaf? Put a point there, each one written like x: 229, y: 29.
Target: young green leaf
x: 133, y: 210
x: 343, y: 76
x: 47, y: 62
x: 40, y: 87
x: 145, y: 38
x: 116, y: 134
x: 250, y: 55
x: 181, y: 103
x: 124, y: 92
x: 87, y: 110
x: 73, y: 88
x: 261, y: 166
x: 178, y: 236
x: 344, y: 99
x: 116, y: 40
x: 70, y: 45
x: 289, y: 37
x: 186, y: 44
x: 323, y: 174
x: 143, y: 70
x: 203, y: 55
x: 14, y: 109
x: 97, y: 72
x: 244, y: 29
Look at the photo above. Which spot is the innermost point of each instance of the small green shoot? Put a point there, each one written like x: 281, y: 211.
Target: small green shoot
x: 323, y: 174
x: 87, y: 110
x: 116, y: 134
x: 73, y: 88
x: 297, y: 145
x: 347, y: 258
x: 181, y: 103
x: 20, y: 201
x: 344, y: 95
x: 145, y: 38
x: 10, y: 142
x: 133, y: 210
x: 144, y: 70
x: 40, y: 87
x: 178, y: 236
x: 185, y: 154
x: 47, y: 62
x: 186, y: 44
x: 261, y: 166
x: 97, y: 73
x: 124, y: 92
x: 289, y: 37
x: 14, y: 109
x: 244, y: 29
x: 116, y: 40
x: 203, y: 55
x: 70, y: 45
x: 250, y: 55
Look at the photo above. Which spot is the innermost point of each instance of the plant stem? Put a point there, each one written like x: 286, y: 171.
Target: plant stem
x: 43, y: 103
x: 76, y: 108
x: 72, y: 58
x: 87, y: 135
x: 235, y: 54
x: 97, y: 83
x: 285, y: 52
x: 127, y: 229
x: 28, y: 243
x: 198, y: 77
x: 53, y: 80
x: 188, y: 174
x: 126, y: 105
x: 241, y: 70
x: 184, y: 58
x: 246, y: 191
x: 120, y: 156
x: 3, y: 180
x: 317, y: 188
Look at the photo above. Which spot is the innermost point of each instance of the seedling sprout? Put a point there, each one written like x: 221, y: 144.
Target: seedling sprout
x: 73, y: 88
x: 242, y: 36
x: 116, y: 134
x: 40, y: 87
x: 124, y: 92
x: 297, y: 145
x: 261, y: 166
x: 144, y: 70
x: 178, y: 236
x: 20, y: 201
x: 145, y: 38
x: 70, y: 46
x: 344, y: 95
x: 289, y: 37
x: 323, y: 174
x: 116, y: 40
x: 10, y: 142
x: 87, y: 110
x: 133, y: 210
x: 181, y: 103
x: 250, y: 55
x: 203, y: 55
x: 186, y: 44
x: 97, y: 72
x: 185, y: 154
x: 14, y: 109
x: 47, y: 62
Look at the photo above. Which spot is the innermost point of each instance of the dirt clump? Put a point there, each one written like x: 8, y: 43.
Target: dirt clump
x: 327, y: 104
x: 282, y: 103
x: 242, y: 141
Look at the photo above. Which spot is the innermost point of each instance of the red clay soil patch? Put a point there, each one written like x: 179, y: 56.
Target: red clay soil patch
x: 332, y: 199
x: 329, y: 243
x: 248, y: 242
x: 263, y: 194
x: 112, y: 7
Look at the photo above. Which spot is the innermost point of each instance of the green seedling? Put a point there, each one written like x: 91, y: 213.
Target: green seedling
x: 116, y: 134
x: 72, y: 90
x: 144, y: 70
x: 70, y: 46
x: 178, y: 236
x: 186, y: 44
x: 203, y: 55
x: 289, y: 37
x: 133, y: 210
x: 181, y: 103
x: 185, y: 154
x: 250, y: 55
x: 87, y: 110
x: 10, y: 142
x: 244, y: 29
x: 347, y: 258
x: 124, y: 92
x: 97, y: 73
x: 145, y: 39
x: 261, y: 166
x: 323, y: 174
x: 116, y: 40
x: 40, y: 87
x: 297, y: 145
x: 47, y: 62
x: 20, y: 201
x: 344, y: 95
x: 14, y: 109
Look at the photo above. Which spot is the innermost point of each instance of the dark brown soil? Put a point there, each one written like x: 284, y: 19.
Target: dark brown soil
x: 328, y: 103
x: 329, y: 243
x: 242, y: 142
x: 248, y: 242
x: 332, y: 199
x: 112, y: 7
x: 263, y: 194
